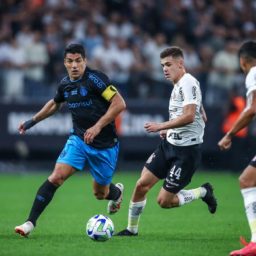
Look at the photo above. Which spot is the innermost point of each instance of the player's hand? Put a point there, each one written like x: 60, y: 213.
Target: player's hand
x: 163, y: 134
x: 225, y: 143
x: 91, y: 133
x: 152, y: 127
x: 21, y: 128
x: 26, y: 125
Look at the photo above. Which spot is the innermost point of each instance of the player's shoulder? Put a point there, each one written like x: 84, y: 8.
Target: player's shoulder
x: 97, y: 76
x: 250, y: 80
x: 188, y: 79
x: 251, y: 74
x: 65, y: 80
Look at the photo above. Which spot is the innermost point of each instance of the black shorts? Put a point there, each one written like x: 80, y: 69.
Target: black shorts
x: 175, y: 164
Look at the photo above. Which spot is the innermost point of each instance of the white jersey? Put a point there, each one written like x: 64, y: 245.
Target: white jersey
x: 250, y: 81
x: 186, y: 91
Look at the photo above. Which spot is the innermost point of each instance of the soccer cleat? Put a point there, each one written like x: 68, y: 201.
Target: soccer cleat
x: 126, y: 232
x: 248, y: 250
x: 209, y: 198
x: 24, y: 229
x: 114, y: 205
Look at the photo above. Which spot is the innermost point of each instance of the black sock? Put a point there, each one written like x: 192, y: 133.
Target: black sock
x: 43, y: 197
x: 114, y: 192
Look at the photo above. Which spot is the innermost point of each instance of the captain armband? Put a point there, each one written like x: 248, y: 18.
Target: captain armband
x: 109, y: 92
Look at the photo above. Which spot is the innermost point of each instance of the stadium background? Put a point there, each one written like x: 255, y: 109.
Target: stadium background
x: 123, y: 39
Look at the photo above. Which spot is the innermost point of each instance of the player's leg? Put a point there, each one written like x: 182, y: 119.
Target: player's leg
x: 155, y: 169
x: 182, y: 168
x: 247, y: 181
x: 138, y: 202
x: 70, y: 159
x: 44, y: 196
x: 167, y: 199
x: 102, y: 167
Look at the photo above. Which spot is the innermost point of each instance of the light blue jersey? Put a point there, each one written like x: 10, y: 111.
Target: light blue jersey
x: 101, y: 162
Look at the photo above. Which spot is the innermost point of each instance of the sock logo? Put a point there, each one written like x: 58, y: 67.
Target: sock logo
x: 40, y: 198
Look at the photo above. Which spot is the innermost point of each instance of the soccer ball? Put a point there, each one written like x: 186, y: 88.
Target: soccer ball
x: 100, y: 228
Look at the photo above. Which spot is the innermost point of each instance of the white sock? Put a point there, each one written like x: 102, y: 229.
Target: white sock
x: 187, y: 196
x: 135, y: 210
x: 249, y: 195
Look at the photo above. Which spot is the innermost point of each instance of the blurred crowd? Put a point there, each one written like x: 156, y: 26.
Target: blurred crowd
x: 123, y: 38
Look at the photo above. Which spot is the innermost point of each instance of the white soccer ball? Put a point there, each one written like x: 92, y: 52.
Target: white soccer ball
x: 100, y: 228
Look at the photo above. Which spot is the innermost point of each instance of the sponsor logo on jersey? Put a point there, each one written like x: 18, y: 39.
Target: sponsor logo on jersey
x: 181, y: 94
x: 81, y: 104
x: 74, y: 92
x: 194, y: 92
x: 97, y: 81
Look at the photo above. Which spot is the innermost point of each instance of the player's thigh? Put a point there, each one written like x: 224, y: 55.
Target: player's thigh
x: 74, y: 153
x: 158, y: 164
x: 102, y: 164
x: 147, y: 179
x: 248, y: 177
x: 183, y: 164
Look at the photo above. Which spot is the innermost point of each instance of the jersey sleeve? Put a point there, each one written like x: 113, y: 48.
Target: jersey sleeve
x: 191, y: 92
x: 101, y: 84
x: 250, y: 81
x: 59, y: 96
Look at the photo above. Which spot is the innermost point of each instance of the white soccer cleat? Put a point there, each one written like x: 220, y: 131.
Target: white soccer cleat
x: 24, y: 229
x: 114, y: 206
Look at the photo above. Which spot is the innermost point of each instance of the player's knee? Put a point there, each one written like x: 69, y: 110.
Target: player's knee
x: 246, y: 183
x: 163, y: 203
x: 141, y: 188
x: 56, y: 179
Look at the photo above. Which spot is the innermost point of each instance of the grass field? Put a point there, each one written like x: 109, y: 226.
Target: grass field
x: 188, y: 231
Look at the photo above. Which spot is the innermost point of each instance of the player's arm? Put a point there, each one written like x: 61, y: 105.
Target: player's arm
x: 243, y: 120
x: 187, y: 117
x: 47, y: 110
x: 117, y: 105
x: 203, y: 113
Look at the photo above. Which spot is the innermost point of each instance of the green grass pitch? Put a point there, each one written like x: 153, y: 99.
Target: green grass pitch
x: 189, y: 230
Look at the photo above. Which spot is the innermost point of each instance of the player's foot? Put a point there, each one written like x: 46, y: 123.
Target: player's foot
x: 248, y: 250
x: 114, y: 205
x: 24, y: 229
x: 209, y: 198
x: 126, y: 232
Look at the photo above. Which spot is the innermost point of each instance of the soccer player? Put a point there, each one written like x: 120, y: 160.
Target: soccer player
x: 94, y: 104
x: 247, y: 180
x: 177, y: 157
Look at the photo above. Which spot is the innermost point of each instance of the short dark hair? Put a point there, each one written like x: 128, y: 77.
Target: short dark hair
x: 173, y: 51
x: 75, y: 48
x: 248, y: 50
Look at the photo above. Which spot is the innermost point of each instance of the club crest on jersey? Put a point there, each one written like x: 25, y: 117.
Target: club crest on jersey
x: 65, y: 95
x: 83, y: 91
